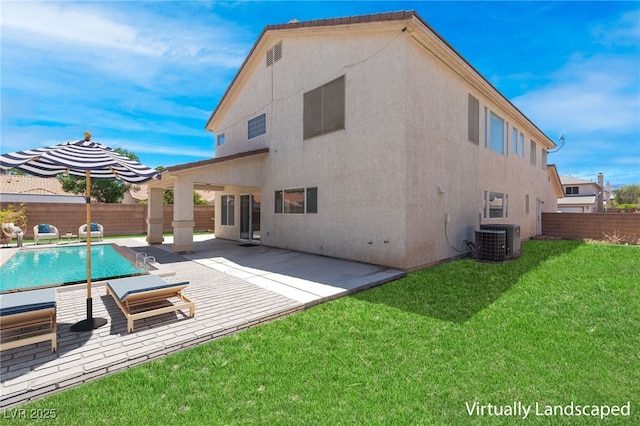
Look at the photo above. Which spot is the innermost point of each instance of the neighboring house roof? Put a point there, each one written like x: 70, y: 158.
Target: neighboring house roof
x: 580, y: 200
x: 570, y: 180
x: 442, y: 49
x: 26, y: 184
x: 40, y: 198
x: 141, y: 192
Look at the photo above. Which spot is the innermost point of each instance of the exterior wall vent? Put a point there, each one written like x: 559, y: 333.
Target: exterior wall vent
x: 274, y: 54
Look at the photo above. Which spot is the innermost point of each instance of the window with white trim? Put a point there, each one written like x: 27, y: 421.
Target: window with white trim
x: 220, y: 139
x: 228, y: 210
x: 496, y: 131
x: 532, y: 156
x: 296, y: 201
x: 496, y: 205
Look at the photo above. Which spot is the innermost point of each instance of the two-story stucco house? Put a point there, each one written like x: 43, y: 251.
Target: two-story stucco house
x: 583, y: 196
x: 367, y: 138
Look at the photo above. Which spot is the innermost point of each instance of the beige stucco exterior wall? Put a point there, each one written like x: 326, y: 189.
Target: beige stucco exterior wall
x: 405, y: 135
x: 439, y: 155
x: 359, y: 172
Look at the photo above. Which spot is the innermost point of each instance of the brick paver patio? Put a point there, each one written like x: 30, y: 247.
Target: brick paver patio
x: 225, y: 303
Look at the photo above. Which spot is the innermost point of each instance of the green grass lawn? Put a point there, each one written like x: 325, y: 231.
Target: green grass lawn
x: 560, y: 325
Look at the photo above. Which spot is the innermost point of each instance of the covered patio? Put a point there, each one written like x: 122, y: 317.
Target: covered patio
x: 241, y: 173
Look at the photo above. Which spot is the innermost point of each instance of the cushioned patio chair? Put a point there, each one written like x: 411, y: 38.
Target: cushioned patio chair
x: 97, y: 231
x: 12, y: 231
x: 45, y: 231
x: 28, y: 317
x: 144, y: 296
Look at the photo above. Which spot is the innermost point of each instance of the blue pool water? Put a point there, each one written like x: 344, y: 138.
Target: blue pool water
x: 63, y: 265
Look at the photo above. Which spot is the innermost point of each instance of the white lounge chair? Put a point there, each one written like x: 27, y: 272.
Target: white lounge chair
x: 145, y: 296
x: 45, y: 231
x: 97, y: 231
x: 28, y: 317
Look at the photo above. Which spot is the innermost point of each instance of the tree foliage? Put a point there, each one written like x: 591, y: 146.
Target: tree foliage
x: 629, y: 194
x: 17, y: 217
x: 103, y: 190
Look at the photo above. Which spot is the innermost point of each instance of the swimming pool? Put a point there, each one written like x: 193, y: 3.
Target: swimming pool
x: 63, y: 265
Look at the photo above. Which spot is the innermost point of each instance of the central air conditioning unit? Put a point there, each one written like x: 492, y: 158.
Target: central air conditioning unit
x: 490, y: 245
x: 513, y: 244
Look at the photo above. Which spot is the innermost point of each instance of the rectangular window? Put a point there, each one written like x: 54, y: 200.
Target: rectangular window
x: 526, y: 204
x: 522, y: 145
x: 324, y: 109
x: 228, y: 210
x: 312, y: 200
x: 497, y: 133
x: 294, y: 201
x: 543, y: 160
x: 514, y: 140
x: 257, y: 126
x: 279, y: 199
x: 533, y: 153
x: 486, y: 127
x: 474, y: 120
x: 495, y: 205
x: 571, y: 190
x: 220, y: 139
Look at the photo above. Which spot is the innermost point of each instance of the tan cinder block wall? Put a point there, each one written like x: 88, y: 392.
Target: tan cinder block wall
x: 117, y: 219
x: 594, y: 226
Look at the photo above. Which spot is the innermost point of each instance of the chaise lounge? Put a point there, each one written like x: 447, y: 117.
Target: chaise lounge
x: 44, y: 231
x: 28, y: 317
x: 144, y: 296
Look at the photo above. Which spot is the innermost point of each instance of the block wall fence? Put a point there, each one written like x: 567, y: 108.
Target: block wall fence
x: 117, y: 219
x: 594, y: 226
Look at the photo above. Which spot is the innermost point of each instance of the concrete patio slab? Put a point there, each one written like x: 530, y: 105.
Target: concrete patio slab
x: 233, y: 287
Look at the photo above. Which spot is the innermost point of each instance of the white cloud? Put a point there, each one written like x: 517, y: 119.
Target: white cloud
x: 588, y: 95
x: 95, y: 28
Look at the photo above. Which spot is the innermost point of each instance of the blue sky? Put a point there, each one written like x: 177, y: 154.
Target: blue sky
x: 146, y: 76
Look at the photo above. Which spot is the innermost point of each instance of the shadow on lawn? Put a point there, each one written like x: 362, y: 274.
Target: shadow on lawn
x: 456, y: 291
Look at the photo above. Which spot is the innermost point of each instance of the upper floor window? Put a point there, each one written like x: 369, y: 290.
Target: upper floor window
x: 522, y: 145
x: 324, y: 109
x: 533, y: 153
x: 571, y: 190
x: 220, y: 139
x: 543, y: 160
x: 497, y: 133
x: 257, y: 126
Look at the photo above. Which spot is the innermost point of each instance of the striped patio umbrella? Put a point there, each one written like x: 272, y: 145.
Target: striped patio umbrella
x: 84, y: 158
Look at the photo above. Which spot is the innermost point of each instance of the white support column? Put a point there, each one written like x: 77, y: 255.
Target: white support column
x: 183, y: 221
x: 155, y: 216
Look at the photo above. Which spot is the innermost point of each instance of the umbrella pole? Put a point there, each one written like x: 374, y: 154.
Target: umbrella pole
x: 90, y: 323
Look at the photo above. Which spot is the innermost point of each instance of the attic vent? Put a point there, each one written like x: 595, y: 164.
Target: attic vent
x: 274, y: 54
